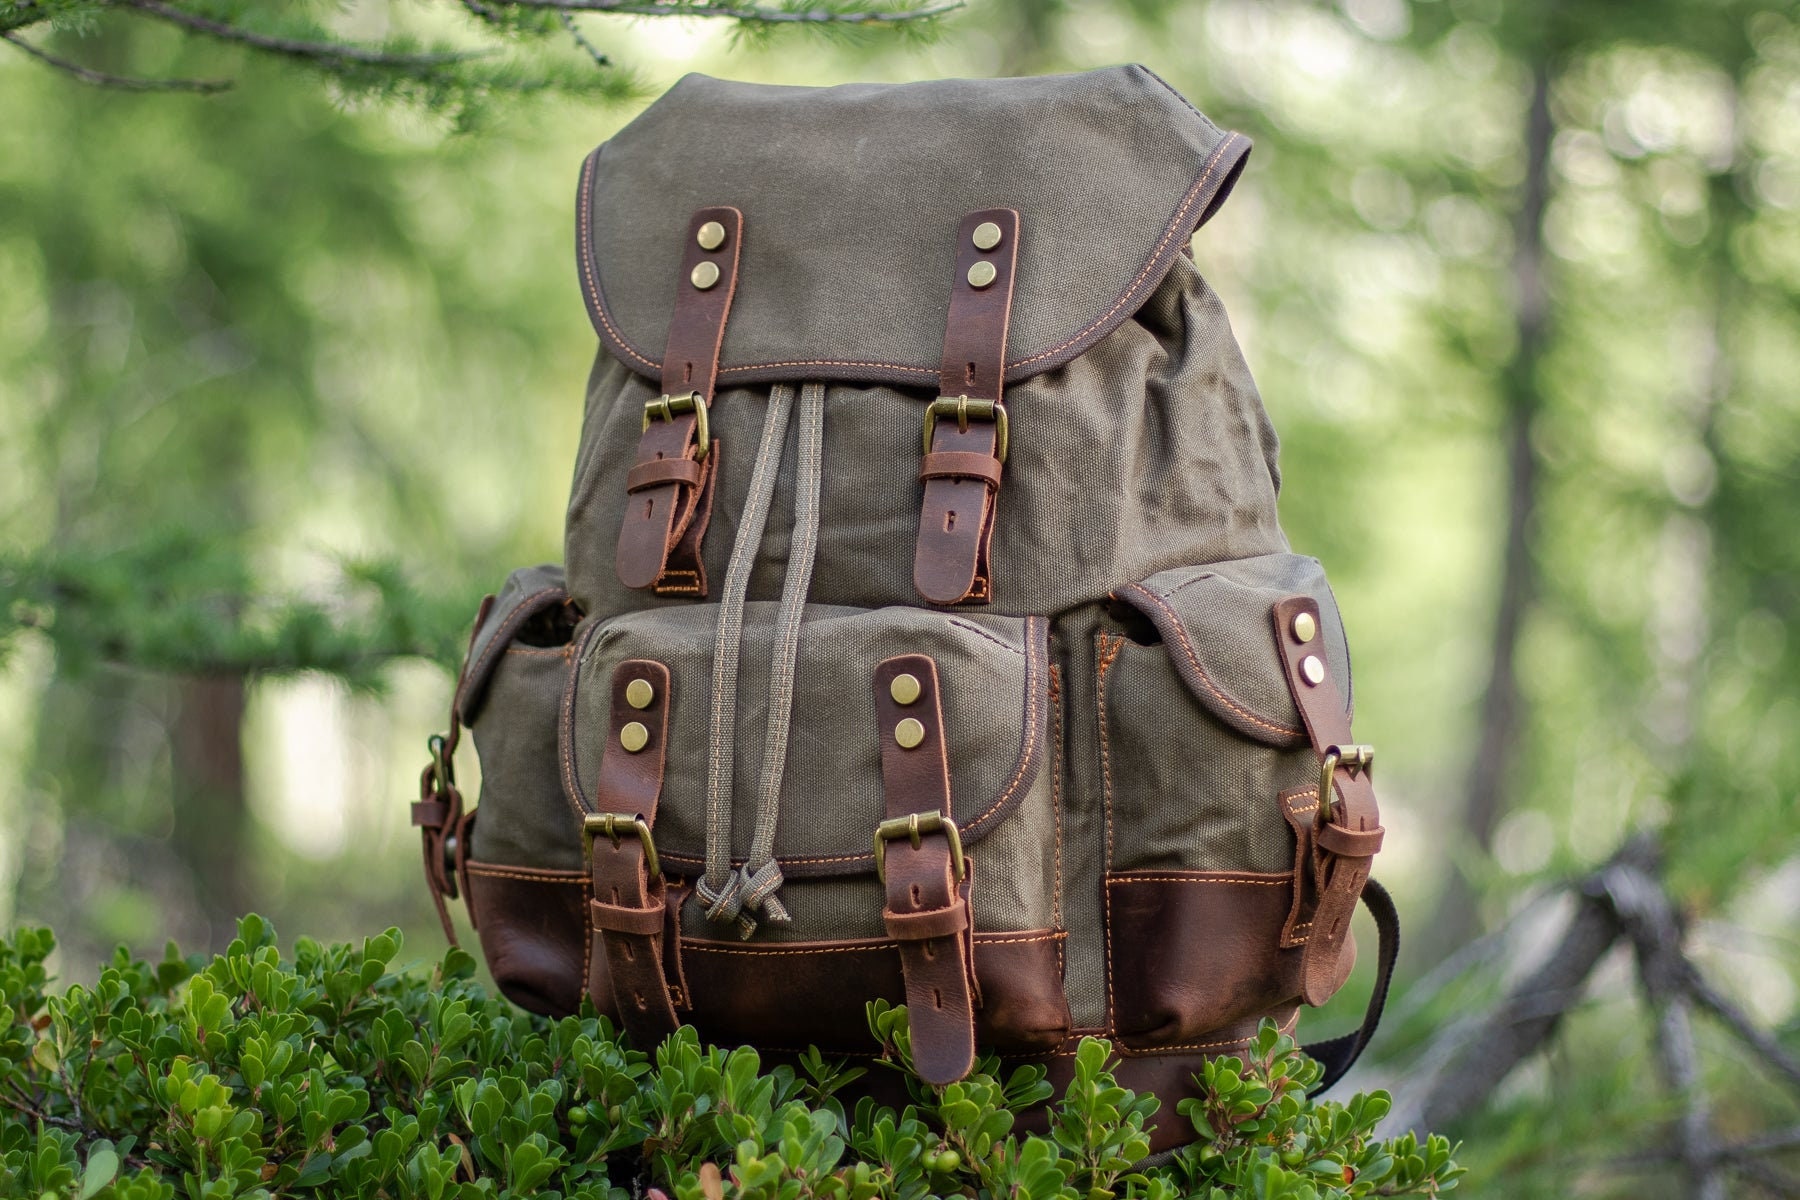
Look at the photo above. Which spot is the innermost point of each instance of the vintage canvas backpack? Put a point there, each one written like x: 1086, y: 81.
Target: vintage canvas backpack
x: 926, y: 631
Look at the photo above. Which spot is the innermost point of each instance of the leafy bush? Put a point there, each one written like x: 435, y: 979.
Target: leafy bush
x: 340, y: 1075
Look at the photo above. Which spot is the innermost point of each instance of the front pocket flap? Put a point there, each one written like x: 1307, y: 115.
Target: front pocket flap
x: 534, y: 607
x: 1215, y: 625
x: 993, y: 681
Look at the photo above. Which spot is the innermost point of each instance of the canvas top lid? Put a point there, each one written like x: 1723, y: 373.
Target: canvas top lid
x: 852, y: 196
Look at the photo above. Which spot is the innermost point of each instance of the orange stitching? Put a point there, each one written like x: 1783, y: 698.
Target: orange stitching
x: 597, y: 300
x: 497, y: 641
x: 584, y: 227
x: 537, y: 651
x: 527, y: 874
x: 1056, y: 797
x: 1243, y: 1041
x: 862, y: 948
x: 1205, y: 679
x: 1106, y: 790
x: 1031, y: 725
x: 1175, y: 223
x: 1122, y: 879
x: 988, y: 940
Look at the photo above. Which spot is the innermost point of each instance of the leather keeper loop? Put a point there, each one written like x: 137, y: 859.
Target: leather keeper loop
x: 960, y: 464
x: 659, y: 471
x: 430, y: 814
x: 933, y: 923
x: 1350, y: 843
x: 619, y: 918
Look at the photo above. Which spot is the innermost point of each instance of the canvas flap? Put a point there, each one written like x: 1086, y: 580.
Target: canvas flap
x: 851, y: 198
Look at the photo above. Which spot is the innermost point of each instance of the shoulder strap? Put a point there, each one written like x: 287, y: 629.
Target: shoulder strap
x: 1338, y: 1054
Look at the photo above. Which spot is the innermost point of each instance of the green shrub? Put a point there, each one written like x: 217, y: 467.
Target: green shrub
x: 340, y: 1075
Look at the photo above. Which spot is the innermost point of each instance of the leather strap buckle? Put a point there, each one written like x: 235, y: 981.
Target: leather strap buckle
x: 614, y: 826
x: 911, y: 827
x: 962, y: 408
x: 667, y: 408
x: 1353, y: 758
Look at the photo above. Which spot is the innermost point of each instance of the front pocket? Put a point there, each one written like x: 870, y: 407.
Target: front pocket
x: 994, y: 686
x: 510, y: 694
x: 1204, y: 757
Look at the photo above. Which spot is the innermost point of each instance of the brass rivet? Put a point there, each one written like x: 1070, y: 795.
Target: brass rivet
x: 705, y: 274
x: 909, y: 733
x: 634, y: 737
x: 1305, y: 628
x: 639, y: 693
x: 982, y: 274
x: 987, y: 236
x: 1312, y: 669
x: 711, y: 236
x: 905, y: 689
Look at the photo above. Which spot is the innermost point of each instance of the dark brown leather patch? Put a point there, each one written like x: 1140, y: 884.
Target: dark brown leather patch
x: 1190, y: 953
x: 533, y: 931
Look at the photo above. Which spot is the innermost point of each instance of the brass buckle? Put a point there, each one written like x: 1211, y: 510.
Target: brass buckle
x: 1353, y: 759
x: 910, y: 827
x: 962, y: 408
x: 614, y: 825
x: 667, y: 408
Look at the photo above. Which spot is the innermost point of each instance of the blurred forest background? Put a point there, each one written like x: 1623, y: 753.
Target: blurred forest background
x: 291, y: 375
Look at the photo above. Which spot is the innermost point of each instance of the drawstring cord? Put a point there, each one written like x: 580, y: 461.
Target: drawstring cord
x: 734, y: 895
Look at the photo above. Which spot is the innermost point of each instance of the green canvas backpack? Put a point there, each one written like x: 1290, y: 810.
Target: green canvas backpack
x: 926, y: 632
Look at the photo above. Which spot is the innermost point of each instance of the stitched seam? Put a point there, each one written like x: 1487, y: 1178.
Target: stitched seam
x: 1116, y: 880
x: 566, y: 736
x: 597, y: 301
x: 1103, y: 662
x: 1206, y: 680
x: 1175, y: 223
x: 584, y: 221
x: 538, y: 651
x: 1243, y: 1041
x: 1031, y: 729
x: 982, y: 633
x: 983, y: 940
x: 1056, y: 796
x: 499, y: 644
x: 527, y: 874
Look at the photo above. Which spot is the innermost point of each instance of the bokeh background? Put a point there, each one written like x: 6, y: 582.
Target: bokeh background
x: 1520, y: 284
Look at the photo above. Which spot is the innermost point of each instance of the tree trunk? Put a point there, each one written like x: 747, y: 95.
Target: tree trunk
x: 212, y: 824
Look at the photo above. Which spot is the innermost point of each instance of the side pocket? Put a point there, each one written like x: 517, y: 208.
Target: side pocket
x: 524, y: 852
x: 1208, y: 780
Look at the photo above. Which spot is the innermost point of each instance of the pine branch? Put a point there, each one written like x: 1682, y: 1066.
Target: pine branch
x: 751, y: 14
x: 123, y: 83
x: 330, y: 52
x: 568, y: 23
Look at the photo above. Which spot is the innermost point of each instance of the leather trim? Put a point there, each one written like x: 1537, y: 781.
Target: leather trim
x: 531, y: 924
x: 487, y: 645
x: 1352, y: 806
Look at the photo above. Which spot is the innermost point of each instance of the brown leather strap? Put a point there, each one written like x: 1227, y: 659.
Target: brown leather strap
x: 1351, y: 823
x: 953, y: 464
x: 627, y: 913
x: 663, y: 470
x: 438, y: 812
x: 956, y: 517
x: 665, y: 521
x: 927, y: 911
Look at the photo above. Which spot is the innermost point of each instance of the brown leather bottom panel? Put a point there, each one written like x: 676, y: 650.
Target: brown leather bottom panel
x: 778, y: 995
x: 532, y: 925
x: 1190, y: 953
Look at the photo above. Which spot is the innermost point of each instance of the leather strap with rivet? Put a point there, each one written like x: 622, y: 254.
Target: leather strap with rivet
x: 966, y: 431
x: 918, y: 855
x: 627, y: 911
x: 1348, y: 832
x: 670, y: 486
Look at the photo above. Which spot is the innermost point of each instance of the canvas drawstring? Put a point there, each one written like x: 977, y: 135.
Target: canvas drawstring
x: 735, y: 895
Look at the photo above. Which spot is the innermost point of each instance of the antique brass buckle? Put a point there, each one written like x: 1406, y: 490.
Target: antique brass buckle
x: 615, y: 825
x: 667, y: 408
x: 962, y: 408
x: 1352, y: 759
x: 910, y: 827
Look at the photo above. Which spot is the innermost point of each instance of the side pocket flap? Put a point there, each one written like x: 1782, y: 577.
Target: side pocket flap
x: 1215, y: 626
x: 533, y: 607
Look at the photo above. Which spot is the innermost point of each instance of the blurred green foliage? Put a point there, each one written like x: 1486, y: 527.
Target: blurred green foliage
x: 342, y: 1073
x: 312, y: 366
